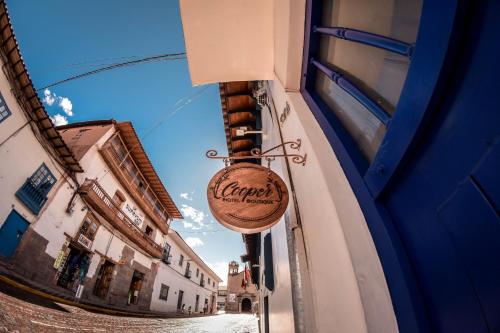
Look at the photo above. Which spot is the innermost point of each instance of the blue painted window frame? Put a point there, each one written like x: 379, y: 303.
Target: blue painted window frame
x: 33, y: 193
x: 268, y: 262
x: 4, y: 109
x: 431, y: 60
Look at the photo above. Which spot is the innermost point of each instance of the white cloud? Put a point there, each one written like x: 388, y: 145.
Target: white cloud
x: 186, y: 196
x: 66, y: 105
x: 48, y: 98
x: 220, y: 268
x: 59, y: 120
x: 196, y: 215
x: 194, y: 242
x: 187, y: 225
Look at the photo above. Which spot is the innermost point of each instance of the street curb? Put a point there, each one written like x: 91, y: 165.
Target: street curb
x: 85, y: 306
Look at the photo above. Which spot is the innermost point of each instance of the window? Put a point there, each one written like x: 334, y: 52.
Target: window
x: 118, y: 198
x: 197, y: 272
x: 188, y: 271
x: 4, y: 109
x: 181, y: 260
x: 358, y: 60
x: 213, y: 284
x: 34, y: 191
x: 208, y: 281
x: 89, y: 228
x: 87, y: 232
x: 164, y: 292
x: 149, y: 231
x: 166, y: 254
x: 202, y: 280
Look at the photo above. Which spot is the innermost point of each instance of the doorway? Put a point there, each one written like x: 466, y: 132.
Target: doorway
x: 246, y: 305
x: 197, y: 303
x: 179, y: 299
x: 75, y: 269
x: 135, y: 288
x: 104, y: 278
x: 11, y: 233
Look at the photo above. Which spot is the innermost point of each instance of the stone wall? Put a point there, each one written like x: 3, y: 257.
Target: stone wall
x: 32, y: 262
x: 117, y: 295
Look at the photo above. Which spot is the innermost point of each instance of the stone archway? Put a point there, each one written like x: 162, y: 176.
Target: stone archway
x: 246, y: 305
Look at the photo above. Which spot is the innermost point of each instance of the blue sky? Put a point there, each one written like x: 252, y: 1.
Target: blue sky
x: 60, y: 38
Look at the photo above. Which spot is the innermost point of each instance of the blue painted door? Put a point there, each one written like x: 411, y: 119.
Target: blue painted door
x: 11, y: 233
x: 445, y: 202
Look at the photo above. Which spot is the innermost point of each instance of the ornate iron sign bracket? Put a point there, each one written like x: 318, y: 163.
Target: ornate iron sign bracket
x: 256, y: 153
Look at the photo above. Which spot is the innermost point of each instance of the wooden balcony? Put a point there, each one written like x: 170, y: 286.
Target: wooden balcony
x: 99, y: 200
x: 127, y: 181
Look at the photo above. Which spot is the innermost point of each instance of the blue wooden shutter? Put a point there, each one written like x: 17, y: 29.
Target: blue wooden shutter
x: 268, y: 262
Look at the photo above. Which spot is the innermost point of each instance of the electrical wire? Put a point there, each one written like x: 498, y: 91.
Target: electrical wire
x: 180, y: 104
x: 161, y: 57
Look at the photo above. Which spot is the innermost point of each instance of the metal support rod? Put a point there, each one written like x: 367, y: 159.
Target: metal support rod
x: 368, y: 38
x: 353, y: 90
x: 256, y: 153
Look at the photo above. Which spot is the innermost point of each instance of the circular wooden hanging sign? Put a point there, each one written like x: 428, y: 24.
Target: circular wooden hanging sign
x: 247, y: 198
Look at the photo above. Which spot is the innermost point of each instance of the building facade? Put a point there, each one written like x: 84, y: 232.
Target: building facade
x: 242, y: 295
x: 35, y: 161
x: 392, y: 224
x: 105, y: 240
x: 183, y: 281
x: 221, y: 298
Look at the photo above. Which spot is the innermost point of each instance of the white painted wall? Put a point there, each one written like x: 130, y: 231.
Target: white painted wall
x: 348, y: 289
x: 173, y: 276
x: 20, y: 157
x: 229, y: 39
x: 280, y: 299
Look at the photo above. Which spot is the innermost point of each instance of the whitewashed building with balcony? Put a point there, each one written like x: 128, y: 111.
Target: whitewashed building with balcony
x: 184, y: 282
x: 103, y: 240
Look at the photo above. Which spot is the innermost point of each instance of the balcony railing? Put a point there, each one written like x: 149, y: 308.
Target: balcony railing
x: 104, y: 205
x: 128, y: 180
x: 188, y: 274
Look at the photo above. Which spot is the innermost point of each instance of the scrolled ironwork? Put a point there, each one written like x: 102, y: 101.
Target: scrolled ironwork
x: 257, y: 153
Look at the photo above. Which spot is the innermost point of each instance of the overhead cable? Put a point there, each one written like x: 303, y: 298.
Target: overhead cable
x: 161, y: 57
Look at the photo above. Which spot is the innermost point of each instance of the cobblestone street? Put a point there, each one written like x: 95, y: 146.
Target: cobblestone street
x: 17, y: 315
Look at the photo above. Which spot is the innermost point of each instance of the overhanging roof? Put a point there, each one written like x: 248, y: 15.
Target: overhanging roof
x: 27, y: 95
x: 131, y: 140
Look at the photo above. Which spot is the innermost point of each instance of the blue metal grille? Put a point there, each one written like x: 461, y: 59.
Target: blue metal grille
x: 33, y: 193
x: 4, y: 109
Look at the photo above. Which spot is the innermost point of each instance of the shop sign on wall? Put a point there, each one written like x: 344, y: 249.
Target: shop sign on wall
x: 247, y: 198
x: 133, y: 214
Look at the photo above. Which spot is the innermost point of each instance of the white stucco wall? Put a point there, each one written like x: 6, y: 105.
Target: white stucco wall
x: 228, y: 40
x: 280, y: 299
x: 348, y: 287
x: 20, y: 157
x: 173, y: 276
